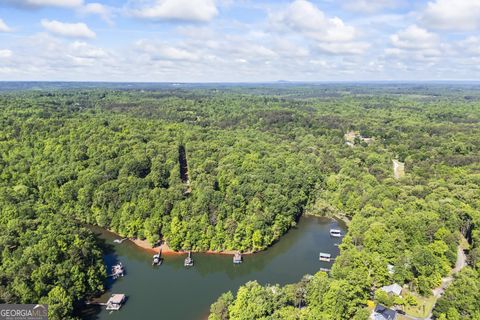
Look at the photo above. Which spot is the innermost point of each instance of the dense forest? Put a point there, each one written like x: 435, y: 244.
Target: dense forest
x: 234, y: 168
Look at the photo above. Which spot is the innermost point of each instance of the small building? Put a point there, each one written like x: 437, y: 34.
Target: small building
x: 115, y: 302
x: 325, y: 257
x: 383, y: 313
x: 393, y: 289
x: 353, y: 137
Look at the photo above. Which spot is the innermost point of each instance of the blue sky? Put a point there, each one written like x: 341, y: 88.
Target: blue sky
x: 239, y: 40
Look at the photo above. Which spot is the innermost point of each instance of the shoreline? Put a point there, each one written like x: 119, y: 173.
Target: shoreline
x: 166, y: 250
x: 339, y: 217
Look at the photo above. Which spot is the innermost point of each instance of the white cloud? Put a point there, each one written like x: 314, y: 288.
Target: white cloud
x: 5, y: 54
x: 162, y: 51
x: 371, y: 6
x: 104, y: 12
x: 414, y: 38
x: 454, y: 15
x: 57, y: 58
x: 343, y: 47
x: 82, y: 54
x: 296, y: 40
x: 86, y: 51
x: 73, y: 30
x: 304, y: 17
x: 4, y: 27
x: 182, y: 10
x: 415, y: 46
x: 289, y: 48
x: 44, y: 3
x: 470, y: 46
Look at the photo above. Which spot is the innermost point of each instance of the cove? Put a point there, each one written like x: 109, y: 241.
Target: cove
x: 171, y: 291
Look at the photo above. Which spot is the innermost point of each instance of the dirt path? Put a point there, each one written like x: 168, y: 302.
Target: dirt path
x: 398, y: 169
x: 461, y: 260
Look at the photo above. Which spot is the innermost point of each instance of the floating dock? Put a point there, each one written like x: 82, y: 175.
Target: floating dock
x: 325, y: 257
x: 237, y: 258
x: 188, y: 260
x: 157, y: 260
x: 116, y: 301
x: 117, y: 271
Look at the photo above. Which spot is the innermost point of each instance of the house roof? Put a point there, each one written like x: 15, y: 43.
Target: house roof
x: 393, y: 288
x: 383, y: 313
x: 116, y: 298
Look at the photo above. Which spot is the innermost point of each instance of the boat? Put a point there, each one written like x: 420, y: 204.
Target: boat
x: 118, y: 270
x: 237, y: 258
x: 335, y: 233
x: 325, y: 257
x: 119, y: 241
x: 188, y: 260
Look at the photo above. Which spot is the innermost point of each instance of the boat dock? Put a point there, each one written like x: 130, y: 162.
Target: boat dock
x: 157, y: 259
x: 116, y: 301
x: 117, y: 271
x: 325, y: 257
x: 188, y: 260
x: 237, y: 258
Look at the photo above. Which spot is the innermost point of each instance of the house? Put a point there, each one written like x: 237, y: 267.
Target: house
x: 351, y: 136
x: 383, y: 313
x: 393, y: 289
x: 115, y: 302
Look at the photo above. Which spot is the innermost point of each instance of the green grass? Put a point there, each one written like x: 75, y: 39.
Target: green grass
x: 422, y: 310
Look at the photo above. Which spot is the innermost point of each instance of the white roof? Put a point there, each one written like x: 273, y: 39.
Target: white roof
x: 393, y: 288
x: 116, y: 298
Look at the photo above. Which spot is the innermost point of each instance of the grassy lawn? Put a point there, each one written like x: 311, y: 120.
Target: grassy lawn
x: 422, y: 310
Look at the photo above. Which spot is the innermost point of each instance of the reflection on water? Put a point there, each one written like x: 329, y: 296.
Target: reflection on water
x: 171, y: 291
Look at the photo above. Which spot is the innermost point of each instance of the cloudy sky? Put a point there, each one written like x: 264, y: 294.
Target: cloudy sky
x: 239, y: 40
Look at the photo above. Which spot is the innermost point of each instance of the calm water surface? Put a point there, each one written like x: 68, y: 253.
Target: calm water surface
x: 172, y: 291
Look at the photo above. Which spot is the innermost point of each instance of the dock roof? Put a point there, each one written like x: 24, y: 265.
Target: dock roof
x: 116, y: 298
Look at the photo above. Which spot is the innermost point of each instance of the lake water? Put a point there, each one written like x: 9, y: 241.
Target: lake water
x: 171, y: 291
